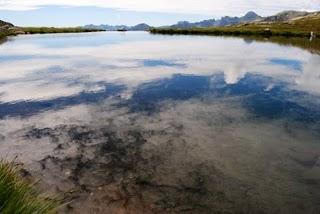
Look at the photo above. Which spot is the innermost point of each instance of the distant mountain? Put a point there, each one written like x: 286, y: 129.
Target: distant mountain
x: 224, y: 21
x: 249, y: 17
x: 139, y: 27
x: 106, y: 27
x: 285, y: 16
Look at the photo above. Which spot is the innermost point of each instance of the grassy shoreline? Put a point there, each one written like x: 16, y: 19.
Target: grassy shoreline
x: 5, y: 34
x: 233, y: 31
x: 17, y: 195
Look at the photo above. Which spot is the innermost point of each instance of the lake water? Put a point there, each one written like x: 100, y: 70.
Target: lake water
x: 140, y: 123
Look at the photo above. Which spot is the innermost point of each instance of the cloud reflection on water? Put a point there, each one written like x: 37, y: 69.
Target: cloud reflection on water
x: 31, y: 70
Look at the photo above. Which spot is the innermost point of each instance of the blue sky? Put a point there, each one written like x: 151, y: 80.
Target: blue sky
x: 75, y: 16
x: 130, y: 12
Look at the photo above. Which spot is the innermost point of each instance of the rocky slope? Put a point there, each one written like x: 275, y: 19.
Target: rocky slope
x: 7, y: 29
x: 285, y: 16
x: 4, y: 29
x: 5, y: 25
x: 224, y: 21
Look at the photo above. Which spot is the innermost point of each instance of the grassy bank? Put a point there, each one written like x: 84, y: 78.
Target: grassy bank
x: 18, y: 196
x: 232, y: 31
x: 5, y: 34
x: 45, y: 30
x: 296, y: 28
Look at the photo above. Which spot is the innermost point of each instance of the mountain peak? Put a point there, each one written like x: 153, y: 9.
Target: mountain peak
x: 250, y: 16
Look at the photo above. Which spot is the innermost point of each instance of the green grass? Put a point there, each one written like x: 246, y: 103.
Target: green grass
x: 257, y: 30
x: 44, y: 30
x: 18, y: 196
x: 5, y: 34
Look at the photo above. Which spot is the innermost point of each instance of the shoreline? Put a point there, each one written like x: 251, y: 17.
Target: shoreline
x: 301, y: 40
x: 231, y: 31
x: 47, y: 30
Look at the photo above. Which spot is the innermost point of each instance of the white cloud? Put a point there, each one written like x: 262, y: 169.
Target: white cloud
x: 208, y: 7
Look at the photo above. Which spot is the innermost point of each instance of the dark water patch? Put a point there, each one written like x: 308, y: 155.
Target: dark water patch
x: 8, y: 58
x: 179, y: 87
x: 268, y: 106
x: 260, y: 100
x: 310, y: 163
x: 55, y: 69
x: 158, y: 62
x: 37, y: 133
x: 111, y: 164
x: 294, y: 65
x: 32, y: 107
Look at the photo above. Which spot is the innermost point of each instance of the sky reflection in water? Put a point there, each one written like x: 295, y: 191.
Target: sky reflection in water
x: 51, y: 72
x: 243, y: 117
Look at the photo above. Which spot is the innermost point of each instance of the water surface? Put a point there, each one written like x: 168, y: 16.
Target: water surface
x: 151, y: 123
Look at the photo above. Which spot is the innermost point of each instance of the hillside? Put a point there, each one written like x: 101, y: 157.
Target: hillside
x: 298, y: 24
x: 293, y: 26
x: 5, y: 25
x: 224, y: 21
x: 7, y: 29
x: 248, y: 18
x: 285, y: 16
